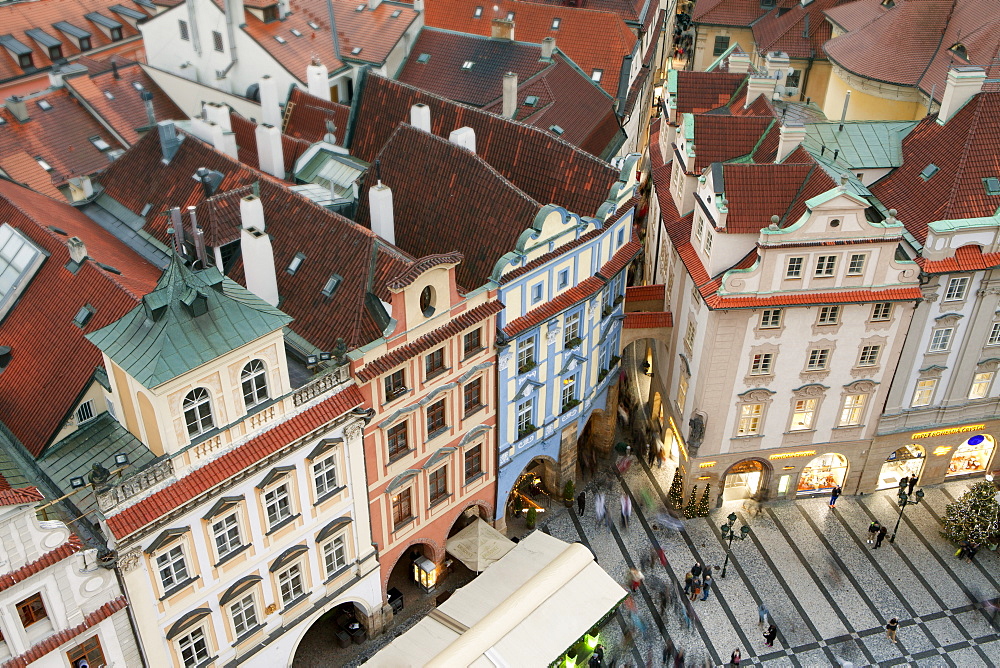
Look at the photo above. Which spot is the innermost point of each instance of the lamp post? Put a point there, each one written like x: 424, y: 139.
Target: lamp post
x: 904, y: 501
x: 730, y: 535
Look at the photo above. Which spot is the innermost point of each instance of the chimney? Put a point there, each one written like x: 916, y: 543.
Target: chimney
x: 224, y: 141
x: 380, y: 210
x: 147, y: 101
x: 15, y: 105
x: 218, y: 114
x: 318, y: 80
x: 270, y: 109
x: 418, y: 5
x: 503, y: 29
x: 56, y: 77
x: 178, y: 226
x: 509, y: 95
x: 548, y: 47
x: 757, y: 86
x: 739, y: 62
x: 114, y: 71
x: 80, y: 188
x: 420, y: 117
x: 777, y: 65
x: 372, y: 4
x: 962, y: 85
x: 199, y: 237
x: 790, y: 137
x: 269, y: 151
x: 282, y: 9
x: 464, y: 137
x: 77, y: 250
x: 169, y: 141
x: 258, y: 256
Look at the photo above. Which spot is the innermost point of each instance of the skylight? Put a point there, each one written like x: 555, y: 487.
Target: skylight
x: 479, y: 12
x: 356, y: 50
x: 510, y: 16
x: 296, y: 32
x: 296, y: 262
x: 467, y: 65
x: 556, y: 129
x: 19, y: 259
x: 279, y: 39
x: 531, y: 100
x: 395, y: 14
x: 99, y: 143
x: 555, y: 23
x: 929, y: 171
x: 312, y: 25
x: 44, y: 105
x: 83, y: 316
x: 41, y: 163
x: 137, y: 86
x: 596, y: 75
x: 331, y: 285
x: 359, y: 8
x: 992, y: 185
x: 423, y: 57
x: 108, y: 94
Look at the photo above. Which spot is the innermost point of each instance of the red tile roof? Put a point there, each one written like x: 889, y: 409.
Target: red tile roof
x: 644, y: 293
x: 965, y: 150
x: 622, y: 257
x: 246, y: 144
x: 966, y: 258
x: 51, y: 363
x: 306, y: 116
x: 126, y: 113
x: 245, y: 456
x: 533, y: 23
x: 407, y: 351
x: 854, y: 15
x: 740, y: 13
x: 54, y: 641
x: 547, y: 168
x: 720, y: 138
x: 716, y: 301
x: 647, y: 320
x: 420, y: 266
x: 71, y: 546
x: 785, y: 29
x: 757, y: 192
x: 698, y: 92
x: 15, y: 497
x: 628, y: 10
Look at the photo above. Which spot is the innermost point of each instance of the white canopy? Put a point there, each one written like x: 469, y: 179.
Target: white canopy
x: 478, y: 545
x: 525, y: 610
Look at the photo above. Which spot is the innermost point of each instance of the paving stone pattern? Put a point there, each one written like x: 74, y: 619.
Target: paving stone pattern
x: 829, y: 593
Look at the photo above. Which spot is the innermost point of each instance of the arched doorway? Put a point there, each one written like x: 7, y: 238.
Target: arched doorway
x: 973, y: 456
x: 536, y: 487
x: 332, y: 637
x: 906, y: 462
x: 744, y: 479
x: 823, y: 473
x: 413, y: 575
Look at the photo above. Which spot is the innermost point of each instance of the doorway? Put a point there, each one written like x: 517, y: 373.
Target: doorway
x: 743, y: 480
x: 906, y: 462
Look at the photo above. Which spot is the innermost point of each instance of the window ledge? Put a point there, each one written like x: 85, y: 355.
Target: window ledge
x: 329, y: 495
x: 743, y: 437
x: 283, y: 523
x: 474, y: 478
x: 178, y: 588
x: 249, y: 634
x: 472, y: 411
x: 439, y: 501
x: 399, y: 455
x: 232, y: 553
x: 295, y: 602
x: 473, y: 353
x: 208, y: 662
x: 436, y: 372
x: 849, y: 426
x: 799, y: 431
x: 402, y: 525
x: 437, y: 432
x: 337, y: 573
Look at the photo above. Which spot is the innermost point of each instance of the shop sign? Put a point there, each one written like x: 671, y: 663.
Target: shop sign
x: 790, y: 455
x: 747, y: 466
x: 942, y: 450
x: 680, y: 439
x: 950, y: 430
x: 707, y: 465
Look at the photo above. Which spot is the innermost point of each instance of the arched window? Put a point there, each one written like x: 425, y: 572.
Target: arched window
x: 198, y: 411
x: 254, y: 379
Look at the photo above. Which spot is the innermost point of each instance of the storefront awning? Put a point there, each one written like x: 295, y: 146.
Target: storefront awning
x: 478, y: 545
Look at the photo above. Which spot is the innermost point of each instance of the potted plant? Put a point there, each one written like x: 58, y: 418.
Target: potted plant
x: 526, y: 431
x: 619, y: 299
x: 602, y: 374
x: 529, y: 521
x: 527, y: 366
x: 569, y: 493
x: 573, y: 343
x: 569, y: 405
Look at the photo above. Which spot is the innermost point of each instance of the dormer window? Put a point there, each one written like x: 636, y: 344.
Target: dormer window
x: 959, y: 50
x: 198, y: 412
x: 55, y: 52
x: 116, y: 34
x: 85, y: 44
x: 270, y: 13
x: 24, y: 61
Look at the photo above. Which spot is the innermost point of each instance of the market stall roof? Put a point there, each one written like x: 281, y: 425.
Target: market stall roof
x: 505, y: 616
x: 478, y: 545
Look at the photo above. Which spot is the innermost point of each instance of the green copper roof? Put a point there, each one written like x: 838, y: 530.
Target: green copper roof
x: 861, y: 144
x: 192, y: 317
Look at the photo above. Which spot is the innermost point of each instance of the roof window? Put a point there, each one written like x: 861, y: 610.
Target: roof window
x: 395, y: 14
x: 478, y: 13
x: 108, y: 94
x: 423, y: 57
x: 467, y: 65
x: 929, y: 171
x: 359, y: 8
x: 510, y: 16
x: 137, y: 86
x: 19, y: 260
x: 99, y: 143
x: 555, y: 23
x: 889, y: 3
x: 992, y: 185
x: 296, y: 32
x: 531, y: 100
x: 356, y: 50
x: 279, y: 39
x: 44, y: 105
x: 312, y: 25
x: 596, y: 75
x: 332, y: 284
x: 41, y: 163
x: 146, y: 208
x: 296, y: 262
x: 556, y: 129
x: 959, y: 50
x: 83, y: 316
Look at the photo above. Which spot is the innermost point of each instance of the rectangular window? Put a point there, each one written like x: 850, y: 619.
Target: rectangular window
x: 172, y: 567
x: 882, y: 311
x: 794, y: 268
x: 278, y: 505
x: 563, y: 279
x: 792, y: 80
x: 721, y: 44
x: 956, y: 289
x: 435, y: 417
x: 825, y: 265
x: 829, y: 315
x: 524, y: 418
x: 401, y: 508
x: 217, y: 40
x: 472, y: 395
x: 185, y: 35
x: 869, y: 355
x: 89, y: 650
x: 85, y: 412
x: 568, y: 392
x: 290, y: 584
x: 526, y: 355
x: 596, y: 75
x: 434, y: 362
x: 750, y: 417
x: 682, y: 391
x: 85, y: 44
x: 194, y: 648
x: 856, y: 267
x: 395, y: 385
x: 770, y: 318
x: 802, y: 414
x: 536, y: 293
x: 473, y: 463
x: 981, y: 385
x: 472, y: 342
x: 55, y: 52
x: 227, y: 535
x: 437, y: 483
x: 244, y: 615
x: 116, y: 35
x: 397, y: 439
x: 924, y: 393
x: 325, y: 476
x: 761, y: 364
x: 31, y: 610
x: 571, y: 335
x: 994, y: 338
x: 689, y: 335
x: 941, y: 339
x: 335, y: 555
x: 24, y: 61
x: 708, y: 243
x: 818, y: 359
x: 699, y: 229
x: 851, y: 412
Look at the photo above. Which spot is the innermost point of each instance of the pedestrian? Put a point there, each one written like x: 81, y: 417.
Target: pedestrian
x: 662, y: 598
x: 696, y: 569
x: 834, y: 494
x: 735, y: 659
x: 762, y: 614
x: 695, y: 589
x: 882, y: 531
x: 688, y: 582
x: 597, y: 658
x: 637, y: 578
x: 769, y: 635
x: 668, y: 651
x: 679, y: 659
x: 599, y: 508
x: 890, y: 629
x: 626, y: 509
x: 912, y: 484
x: 706, y: 587
x: 872, y: 530
x: 581, y: 502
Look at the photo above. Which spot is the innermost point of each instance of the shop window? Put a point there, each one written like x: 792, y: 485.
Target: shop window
x: 981, y: 385
x: 823, y: 473
x: 905, y: 462
x: 973, y: 456
x: 88, y: 651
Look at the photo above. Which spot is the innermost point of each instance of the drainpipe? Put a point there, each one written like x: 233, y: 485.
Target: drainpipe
x: 805, y: 75
x: 131, y: 619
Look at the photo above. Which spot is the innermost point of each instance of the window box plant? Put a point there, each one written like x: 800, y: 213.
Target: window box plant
x: 569, y: 405
x: 528, y: 430
x: 527, y: 366
x: 574, y: 342
x: 619, y: 299
x: 602, y: 374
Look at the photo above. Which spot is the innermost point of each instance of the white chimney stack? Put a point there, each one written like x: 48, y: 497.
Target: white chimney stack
x: 270, y: 108
x: 790, y: 138
x: 380, y: 209
x: 548, y: 47
x: 77, y: 250
x: 372, y: 4
x: 739, y: 62
x: 218, y: 114
x: 258, y: 256
x: 778, y: 65
x: 502, y: 29
x: 420, y: 117
x: 509, y: 94
x: 757, y: 86
x: 464, y: 137
x: 962, y: 85
x: 318, y: 80
x: 269, y: 151
x: 223, y: 141
x: 418, y: 5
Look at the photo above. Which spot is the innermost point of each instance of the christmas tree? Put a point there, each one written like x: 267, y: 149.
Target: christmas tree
x: 703, y: 506
x: 974, y: 516
x: 676, y: 493
x: 689, y: 509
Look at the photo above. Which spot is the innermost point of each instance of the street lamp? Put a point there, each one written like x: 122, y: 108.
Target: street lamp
x: 904, y: 501
x: 730, y: 535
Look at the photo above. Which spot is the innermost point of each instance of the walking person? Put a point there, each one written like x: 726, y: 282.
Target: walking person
x: 637, y: 578
x: 882, y: 531
x: 911, y: 485
x: 706, y: 587
x: 872, y: 530
x: 688, y: 582
x: 696, y: 569
x: 890, y: 629
x: 736, y: 657
x: 599, y: 508
x: 769, y: 635
x: 679, y: 659
x: 834, y: 495
x: 626, y: 509
x: 581, y: 502
x: 903, y: 482
x: 762, y: 613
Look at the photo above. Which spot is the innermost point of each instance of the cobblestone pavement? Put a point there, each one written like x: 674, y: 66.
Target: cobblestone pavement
x: 830, y: 594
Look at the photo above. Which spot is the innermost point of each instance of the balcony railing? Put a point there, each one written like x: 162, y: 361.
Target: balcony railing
x: 135, y: 484
x: 321, y: 385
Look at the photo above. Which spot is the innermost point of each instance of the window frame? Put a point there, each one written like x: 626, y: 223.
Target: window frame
x: 437, y: 485
x: 184, y: 29
x: 397, y: 504
x: 244, y: 617
x: 27, y: 610
x: 825, y: 267
x: 568, y: 389
x: 818, y: 359
x: 477, y: 384
x: 217, y: 42
x: 284, y: 577
x: 391, y: 389
x: 474, y: 454
x: 203, y: 638
x: 761, y: 364
x: 439, y: 421
x: 434, y: 363
x: 985, y: 384
x: 829, y: 315
x: 392, y: 438
x: 171, y: 564
x: 524, y: 415
x: 852, y: 409
x: 856, y: 264
x: 571, y: 330
x: 994, y: 336
x: 226, y: 531
x: 328, y: 464
x: 768, y: 319
x: 720, y: 45
x: 280, y: 490
x: 475, y: 336
x: 192, y: 403
x: 941, y: 338
x: 924, y: 386
x: 869, y: 355
x: 877, y: 308
x: 254, y: 374
x: 794, y: 267
x: 750, y: 419
x: 329, y: 548
x: 805, y: 406
x: 562, y: 279
x: 957, y: 289
x: 526, y: 362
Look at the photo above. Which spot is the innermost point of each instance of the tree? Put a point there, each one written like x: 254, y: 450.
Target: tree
x: 690, y: 509
x: 974, y: 516
x: 703, y: 506
x: 676, y: 494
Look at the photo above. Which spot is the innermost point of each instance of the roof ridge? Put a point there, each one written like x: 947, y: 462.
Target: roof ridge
x: 937, y: 49
x: 966, y: 149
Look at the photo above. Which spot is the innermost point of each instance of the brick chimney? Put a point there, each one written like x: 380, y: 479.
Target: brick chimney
x: 258, y: 256
x: 464, y: 137
x: 318, y: 79
x: 77, y: 250
x: 502, y: 29
x: 420, y: 117
x: 16, y: 106
x: 380, y: 209
x: 509, y: 94
x: 962, y: 85
x: 269, y: 151
x: 790, y: 138
x: 270, y: 109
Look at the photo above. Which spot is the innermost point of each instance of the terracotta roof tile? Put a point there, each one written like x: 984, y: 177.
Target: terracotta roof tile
x: 966, y: 258
x: 644, y: 293
x: 647, y: 320
x: 854, y: 15
x: 54, y: 641
x: 564, y: 301
x: 201, y: 480
x: 698, y: 92
x: 757, y: 192
x: 722, y: 138
x: 306, y: 116
x: 729, y: 12
x: 795, y: 299
x: 622, y: 257
x: 14, y: 497
x: 71, y: 546
x: 785, y: 29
